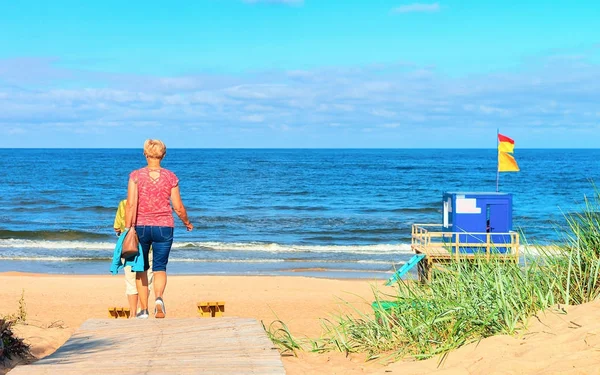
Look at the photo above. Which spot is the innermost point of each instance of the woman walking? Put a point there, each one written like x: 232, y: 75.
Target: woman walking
x: 150, y: 193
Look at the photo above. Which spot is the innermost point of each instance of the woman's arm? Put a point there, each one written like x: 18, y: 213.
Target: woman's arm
x: 131, y: 209
x: 179, y: 208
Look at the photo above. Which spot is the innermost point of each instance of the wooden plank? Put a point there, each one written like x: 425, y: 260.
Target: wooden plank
x: 163, y: 346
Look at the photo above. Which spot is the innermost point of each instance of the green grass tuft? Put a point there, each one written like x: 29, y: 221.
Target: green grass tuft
x: 281, y: 336
x: 12, y: 347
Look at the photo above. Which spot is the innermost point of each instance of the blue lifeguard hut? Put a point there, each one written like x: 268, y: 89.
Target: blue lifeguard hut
x: 473, y: 224
x: 478, y: 218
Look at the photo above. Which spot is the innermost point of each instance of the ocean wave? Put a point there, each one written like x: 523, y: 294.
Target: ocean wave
x: 194, y: 260
x: 275, y: 247
x: 47, y: 258
x: 171, y: 259
x: 299, y: 208
x: 400, y: 248
x: 60, y: 208
x: 55, y: 245
x: 53, y: 258
x: 284, y: 208
x: 215, y: 246
x: 396, y: 231
x: 34, y: 202
x: 292, y: 193
x: 336, y: 270
x: 68, y: 235
x: 407, y: 210
x: 413, y: 210
x: 98, y: 209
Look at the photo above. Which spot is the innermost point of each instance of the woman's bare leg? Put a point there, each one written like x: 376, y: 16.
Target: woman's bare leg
x: 160, y: 283
x: 133, y: 301
x: 141, y: 282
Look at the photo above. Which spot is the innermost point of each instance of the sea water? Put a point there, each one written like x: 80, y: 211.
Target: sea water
x: 315, y: 212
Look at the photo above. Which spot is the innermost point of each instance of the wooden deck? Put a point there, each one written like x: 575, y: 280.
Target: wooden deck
x: 441, y: 247
x: 163, y: 346
x: 440, y: 252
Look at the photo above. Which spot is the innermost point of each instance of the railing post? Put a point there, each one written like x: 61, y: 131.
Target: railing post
x: 457, y: 245
x: 487, y: 245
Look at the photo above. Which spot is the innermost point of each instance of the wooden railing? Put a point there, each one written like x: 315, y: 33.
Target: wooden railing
x: 427, y: 238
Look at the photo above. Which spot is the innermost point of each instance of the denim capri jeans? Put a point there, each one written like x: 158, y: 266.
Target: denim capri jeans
x: 161, y: 240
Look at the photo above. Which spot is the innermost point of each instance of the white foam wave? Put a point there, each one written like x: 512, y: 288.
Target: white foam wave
x: 52, y: 259
x: 58, y: 245
x: 184, y: 260
x: 275, y: 247
x: 226, y: 260
x: 71, y: 259
x: 274, y: 261
x: 402, y: 248
x: 216, y: 246
x: 539, y: 250
x: 381, y: 262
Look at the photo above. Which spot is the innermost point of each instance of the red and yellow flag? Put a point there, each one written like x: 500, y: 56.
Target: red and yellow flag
x: 506, y: 162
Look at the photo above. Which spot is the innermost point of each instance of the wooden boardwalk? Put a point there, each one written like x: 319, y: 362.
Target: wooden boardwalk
x: 163, y: 346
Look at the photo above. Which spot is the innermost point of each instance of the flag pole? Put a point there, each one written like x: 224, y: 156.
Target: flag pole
x: 497, y: 162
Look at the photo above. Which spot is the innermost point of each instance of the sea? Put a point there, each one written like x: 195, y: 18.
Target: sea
x: 335, y: 213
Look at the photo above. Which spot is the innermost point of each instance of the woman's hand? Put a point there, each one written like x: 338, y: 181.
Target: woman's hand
x: 189, y: 226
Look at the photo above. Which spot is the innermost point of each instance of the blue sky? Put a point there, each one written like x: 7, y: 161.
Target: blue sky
x: 293, y: 73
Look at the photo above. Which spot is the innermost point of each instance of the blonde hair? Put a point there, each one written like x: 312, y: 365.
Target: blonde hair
x: 155, y: 149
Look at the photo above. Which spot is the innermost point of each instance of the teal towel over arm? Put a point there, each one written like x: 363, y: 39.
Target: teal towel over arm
x: 136, y: 262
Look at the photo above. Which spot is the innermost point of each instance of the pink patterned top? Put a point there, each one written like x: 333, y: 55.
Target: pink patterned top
x: 154, y: 204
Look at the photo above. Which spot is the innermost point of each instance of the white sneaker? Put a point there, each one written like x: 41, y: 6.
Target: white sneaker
x: 159, y: 309
x: 143, y: 314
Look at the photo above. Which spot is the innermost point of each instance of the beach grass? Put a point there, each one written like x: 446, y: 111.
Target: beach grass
x: 11, y: 346
x: 467, y: 302
x: 279, y: 333
x: 21, y: 315
x: 472, y: 300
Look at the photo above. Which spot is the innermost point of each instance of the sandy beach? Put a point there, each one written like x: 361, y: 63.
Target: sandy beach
x: 57, y: 305
x: 556, y: 343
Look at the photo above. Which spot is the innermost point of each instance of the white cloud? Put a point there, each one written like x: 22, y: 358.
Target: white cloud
x: 383, y: 113
x: 258, y: 108
x: 300, y: 74
x: 417, y: 8
x: 253, y: 118
x: 545, y: 95
x: 260, y: 91
x: 390, y: 125
x: 282, y: 127
x: 490, y: 109
x: 344, y: 107
x: 14, y: 131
